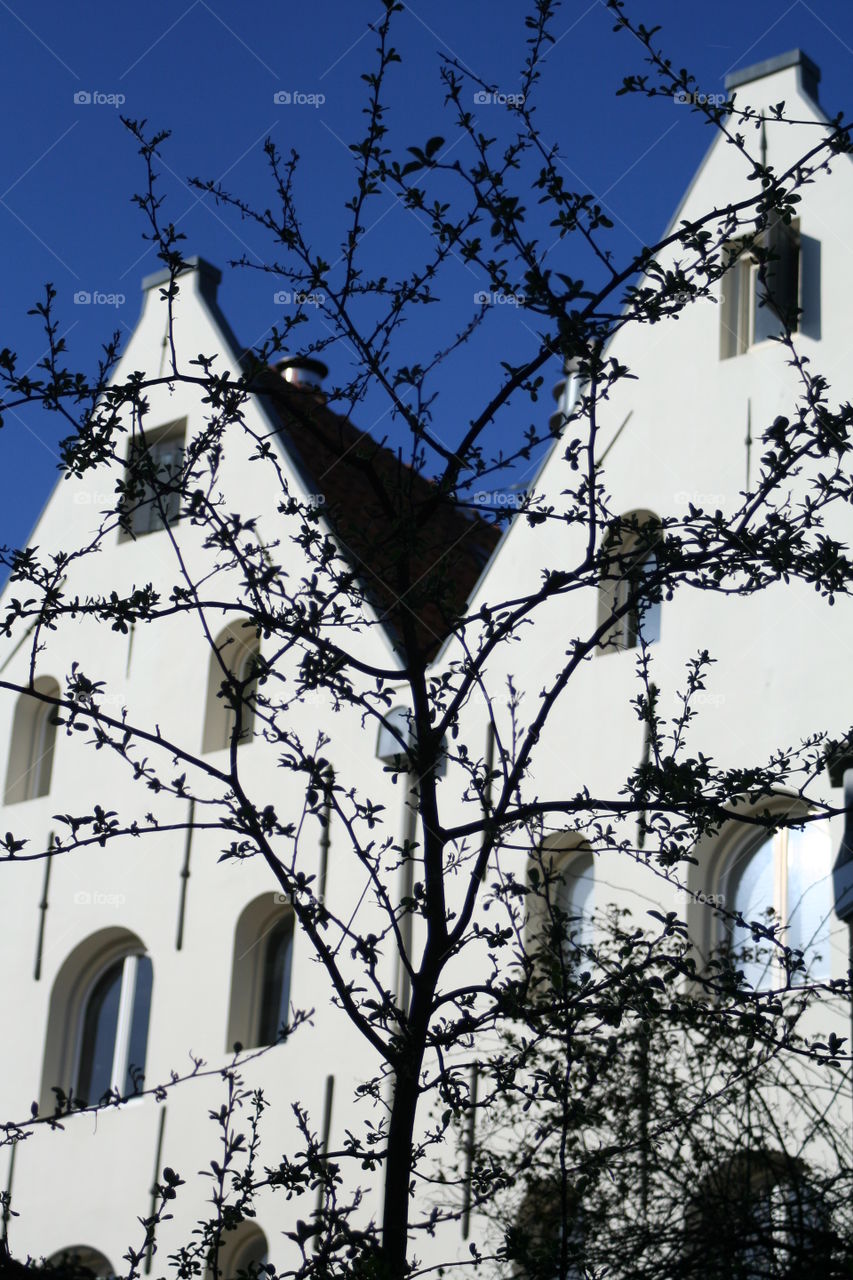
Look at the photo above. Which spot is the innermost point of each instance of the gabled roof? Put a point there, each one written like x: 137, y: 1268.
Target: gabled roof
x: 417, y: 555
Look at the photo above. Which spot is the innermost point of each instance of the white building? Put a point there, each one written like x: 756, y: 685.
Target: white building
x: 150, y: 950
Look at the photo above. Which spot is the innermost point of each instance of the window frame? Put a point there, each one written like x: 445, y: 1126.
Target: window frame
x: 735, y: 863
x: 556, y: 861
x: 253, y: 930
x: 142, y: 516
x: 741, y: 305
x: 629, y: 628
x: 284, y: 922
x: 629, y: 546
x: 129, y: 961
x: 219, y: 716
x: 32, y: 745
x: 580, y: 921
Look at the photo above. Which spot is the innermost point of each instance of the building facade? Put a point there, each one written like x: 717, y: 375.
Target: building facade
x: 153, y: 953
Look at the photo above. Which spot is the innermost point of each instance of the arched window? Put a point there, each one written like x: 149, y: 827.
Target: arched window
x: 31, y: 752
x: 242, y: 1253
x: 789, y: 874
x: 81, y: 1262
x: 237, y: 649
x: 114, y: 1029
x: 772, y: 1218
x: 97, y: 1023
x: 627, y: 593
x: 261, y: 976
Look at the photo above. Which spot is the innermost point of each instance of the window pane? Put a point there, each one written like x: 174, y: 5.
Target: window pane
x: 576, y: 900
x: 648, y: 619
x: 275, y: 990
x: 151, y: 470
x: 98, y: 1038
x: 752, y: 896
x: 138, y: 1042
x: 776, y: 298
x: 810, y: 896
x: 244, y: 667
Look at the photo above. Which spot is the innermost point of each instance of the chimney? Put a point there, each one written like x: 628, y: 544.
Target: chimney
x: 303, y: 372
x: 808, y: 72
x: 205, y: 276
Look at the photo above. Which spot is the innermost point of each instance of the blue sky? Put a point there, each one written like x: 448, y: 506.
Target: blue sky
x: 209, y: 71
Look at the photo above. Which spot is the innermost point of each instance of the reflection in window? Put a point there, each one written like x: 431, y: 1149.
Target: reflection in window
x: 114, y: 1030
x: 789, y: 874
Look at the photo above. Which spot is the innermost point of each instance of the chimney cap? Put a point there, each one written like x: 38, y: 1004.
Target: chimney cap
x: 793, y: 58
x: 302, y: 370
